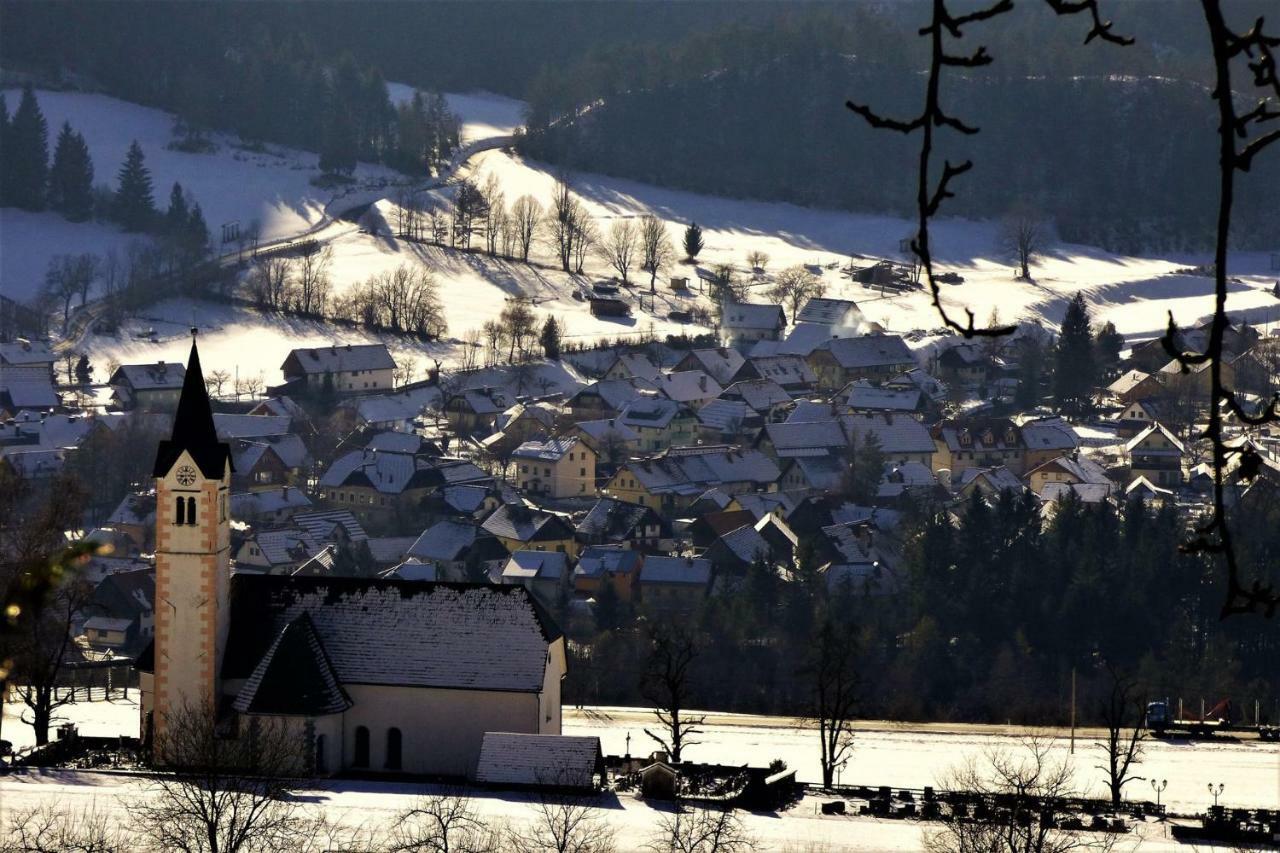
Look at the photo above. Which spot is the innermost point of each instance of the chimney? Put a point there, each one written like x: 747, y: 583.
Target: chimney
x: 284, y: 491
x: 702, y: 382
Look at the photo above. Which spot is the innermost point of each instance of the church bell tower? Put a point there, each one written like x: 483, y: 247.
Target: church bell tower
x: 193, y: 566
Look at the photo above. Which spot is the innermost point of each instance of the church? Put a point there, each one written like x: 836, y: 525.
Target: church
x: 373, y: 675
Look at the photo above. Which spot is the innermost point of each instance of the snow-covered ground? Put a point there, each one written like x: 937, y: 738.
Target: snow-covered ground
x: 885, y: 753
x: 481, y: 114
x: 272, y: 186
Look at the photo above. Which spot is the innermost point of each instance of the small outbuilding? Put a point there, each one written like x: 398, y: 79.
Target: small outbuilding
x: 561, y: 762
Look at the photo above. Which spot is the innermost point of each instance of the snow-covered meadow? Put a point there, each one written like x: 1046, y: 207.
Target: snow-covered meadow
x: 885, y: 753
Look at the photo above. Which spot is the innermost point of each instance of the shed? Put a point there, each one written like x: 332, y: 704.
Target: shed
x: 659, y: 781
x: 562, y: 762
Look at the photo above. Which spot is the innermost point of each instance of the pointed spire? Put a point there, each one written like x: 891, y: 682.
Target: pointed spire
x: 193, y: 428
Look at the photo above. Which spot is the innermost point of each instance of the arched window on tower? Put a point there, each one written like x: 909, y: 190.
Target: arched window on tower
x: 361, y: 758
x: 180, y: 514
x: 393, y: 749
x: 191, y: 510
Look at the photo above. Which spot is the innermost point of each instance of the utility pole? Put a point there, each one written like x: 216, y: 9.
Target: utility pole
x: 1073, y: 710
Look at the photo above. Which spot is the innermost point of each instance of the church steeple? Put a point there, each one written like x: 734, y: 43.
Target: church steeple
x: 193, y: 429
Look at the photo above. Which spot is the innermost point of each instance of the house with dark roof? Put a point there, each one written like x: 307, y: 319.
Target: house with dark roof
x: 522, y: 528
x: 345, y: 368
x: 631, y: 525
x: 674, y: 584
x: 721, y: 363
x: 546, y: 574
x: 659, y: 422
x: 675, y: 478
x: 839, y: 361
x: 744, y: 323
x: 121, y: 612
x: 147, y: 387
x: 458, y: 549
x: 607, y: 565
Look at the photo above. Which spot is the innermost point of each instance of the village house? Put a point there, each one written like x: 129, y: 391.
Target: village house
x: 632, y: 365
x: 674, y: 585
x: 1072, y: 470
x: 1046, y: 439
x: 26, y: 377
x: 692, y: 388
x: 980, y: 443
x: 1155, y: 454
x: 676, y: 477
x: 765, y: 397
x: 723, y: 421
x: 525, y: 421
x: 343, y: 369
x: 659, y: 423
x: 1137, y: 416
x: 791, y: 372
x: 521, y: 528
x: 557, y: 468
x: 546, y: 574
x: 965, y: 364
x: 607, y: 397
x: 475, y: 410
x: 721, y: 363
x: 840, y: 361
x: 269, y: 506
x: 611, y: 439
x: 863, y: 397
x: 1133, y: 385
x: 121, y: 612
x: 743, y: 323
x: 607, y: 565
x: 832, y: 313
x: 630, y: 525
x: 147, y: 387
x: 279, y: 551
x: 457, y: 549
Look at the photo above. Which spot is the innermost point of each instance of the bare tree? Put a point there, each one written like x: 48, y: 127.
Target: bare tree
x: 495, y: 210
x: 471, y: 347
x: 250, y: 385
x: 619, y: 246
x: 404, y: 371
x: 313, y: 280
x: 667, y: 685
x: 1121, y: 714
x: 50, y: 828
x: 442, y: 823
x: 796, y: 286
x: 833, y: 681
x: 585, y: 238
x: 271, y: 281
x: 757, y: 260
x: 68, y: 276
x: 563, y: 821
x: 220, y: 791
x: 215, y: 381
x: 494, y: 335
x: 655, y: 248
x: 564, y: 222
x: 1023, y: 781
x: 526, y: 216
x: 1023, y: 235
x: 519, y: 327
x: 690, y: 829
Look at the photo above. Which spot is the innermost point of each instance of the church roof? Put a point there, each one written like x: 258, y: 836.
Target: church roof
x: 294, y: 677
x: 396, y: 632
x: 193, y: 429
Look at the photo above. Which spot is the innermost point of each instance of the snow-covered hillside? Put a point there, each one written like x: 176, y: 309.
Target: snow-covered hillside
x: 482, y: 114
x: 272, y: 186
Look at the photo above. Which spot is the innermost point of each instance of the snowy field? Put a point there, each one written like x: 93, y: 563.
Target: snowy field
x: 885, y: 753
x: 481, y: 114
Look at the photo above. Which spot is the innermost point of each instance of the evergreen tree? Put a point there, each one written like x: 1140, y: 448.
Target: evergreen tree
x: 1075, y: 369
x: 1109, y: 344
x: 197, y: 233
x: 339, y: 148
x: 27, y: 154
x: 71, y: 176
x: 135, y: 208
x: 1030, y: 370
x: 692, y: 240
x: 84, y: 370
x: 550, y: 339
x: 177, y: 218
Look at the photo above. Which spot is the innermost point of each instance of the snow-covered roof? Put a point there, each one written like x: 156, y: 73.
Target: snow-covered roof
x: 651, y: 412
x: 446, y: 540
x: 542, y: 565
x: 597, y: 561
x: 394, y: 632
x: 862, y: 395
x: 294, y: 677
x: 999, y: 479
x: 870, y: 351
x: 324, y: 525
x: 287, y: 545
x: 395, y: 442
x: 690, y: 571
x: 685, y: 386
x: 760, y: 394
x: 1141, y: 438
x: 830, y: 312
x: 29, y: 393
x: 26, y: 352
x: 338, y: 358
x: 636, y: 364
x: 150, y: 377
x: 1090, y: 493
x: 612, y: 518
x: 749, y: 316
x: 250, y: 426
x: 510, y: 521
x: 691, y: 470
x: 558, y: 761
x: 784, y: 369
x: 726, y: 416
x: 546, y: 451
x: 1049, y: 434
x: 250, y: 504
x: 721, y: 363
x: 606, y: 430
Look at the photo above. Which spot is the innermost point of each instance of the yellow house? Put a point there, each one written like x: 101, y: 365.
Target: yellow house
x: 521, y: 528
x: 559, y: 468
x: 659, y: 423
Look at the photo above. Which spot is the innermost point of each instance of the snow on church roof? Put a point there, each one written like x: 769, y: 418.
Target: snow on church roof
x: 392, y: 632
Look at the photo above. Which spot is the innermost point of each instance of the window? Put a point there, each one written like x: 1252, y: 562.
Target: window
x: 582, y: 472
x: 191, y: 510
x: 393, y: 749
x: 321, y: 762
x: 361, y: 758
x: 180, y: 515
